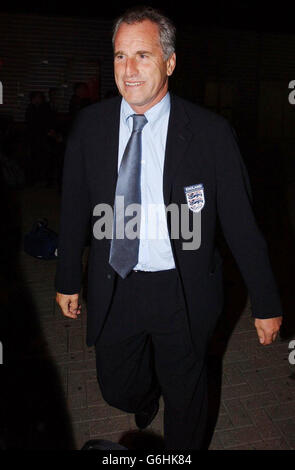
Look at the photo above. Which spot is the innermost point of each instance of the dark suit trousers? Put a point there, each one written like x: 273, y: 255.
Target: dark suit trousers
x: 145, y: 350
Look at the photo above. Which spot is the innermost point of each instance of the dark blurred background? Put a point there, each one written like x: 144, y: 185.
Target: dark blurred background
x: 233, y: 57
x: 236, y: 58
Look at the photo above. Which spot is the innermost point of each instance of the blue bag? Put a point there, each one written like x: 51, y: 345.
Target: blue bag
x: 41, y: 242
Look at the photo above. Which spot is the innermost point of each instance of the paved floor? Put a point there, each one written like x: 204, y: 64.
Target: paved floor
x: 252, y: 387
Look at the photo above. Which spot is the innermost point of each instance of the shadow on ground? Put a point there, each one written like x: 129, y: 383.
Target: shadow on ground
x: 33, y: 407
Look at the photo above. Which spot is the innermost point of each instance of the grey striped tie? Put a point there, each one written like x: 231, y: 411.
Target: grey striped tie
x: 124, y: 251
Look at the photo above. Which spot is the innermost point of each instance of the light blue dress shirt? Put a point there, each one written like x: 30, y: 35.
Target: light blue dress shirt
x: 155, y: 253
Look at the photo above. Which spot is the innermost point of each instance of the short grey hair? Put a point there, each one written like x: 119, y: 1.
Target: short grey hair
x: 167, y: 30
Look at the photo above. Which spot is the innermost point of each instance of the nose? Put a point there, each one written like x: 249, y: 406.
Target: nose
x: 131, y: 67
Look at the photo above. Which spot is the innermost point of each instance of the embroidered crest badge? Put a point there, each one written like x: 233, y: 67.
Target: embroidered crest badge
x: 195, y: 197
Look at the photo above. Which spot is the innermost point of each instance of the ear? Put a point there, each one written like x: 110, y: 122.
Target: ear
x: 171, y: 63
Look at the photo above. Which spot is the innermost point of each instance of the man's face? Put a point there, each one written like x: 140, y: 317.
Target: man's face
x: 141, y: 73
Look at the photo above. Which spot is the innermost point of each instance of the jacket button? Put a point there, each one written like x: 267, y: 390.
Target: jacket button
x: 109, y: 276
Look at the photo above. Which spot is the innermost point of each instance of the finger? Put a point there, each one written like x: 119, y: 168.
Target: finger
x: 76, y: 307
x: 66, y: 309
x: 77, y: 311
x: 274, y: 336
x: 73, y: 306
x: 261, y: 335
x: 268, y: 338
x: 67, y: 313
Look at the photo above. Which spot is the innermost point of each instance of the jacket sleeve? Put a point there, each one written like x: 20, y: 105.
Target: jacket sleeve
x: 239, y: 226
x: 75, y: 214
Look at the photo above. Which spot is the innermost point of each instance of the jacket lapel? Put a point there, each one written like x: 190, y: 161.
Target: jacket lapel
x: 178, y: 138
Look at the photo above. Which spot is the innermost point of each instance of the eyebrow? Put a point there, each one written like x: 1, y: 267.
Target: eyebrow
x: 137, y: 52
x: 143, y: 52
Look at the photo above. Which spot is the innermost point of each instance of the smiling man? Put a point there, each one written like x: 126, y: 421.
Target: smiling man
x: 152, y: 305
x: 141, y: 68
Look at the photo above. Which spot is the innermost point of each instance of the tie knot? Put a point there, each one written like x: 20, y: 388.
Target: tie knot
x: 139, y: 121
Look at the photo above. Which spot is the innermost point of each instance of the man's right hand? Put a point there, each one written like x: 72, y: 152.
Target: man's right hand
x: 69, y: 304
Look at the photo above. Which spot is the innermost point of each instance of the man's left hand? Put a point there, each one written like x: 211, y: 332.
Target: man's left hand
x: 268, y: 329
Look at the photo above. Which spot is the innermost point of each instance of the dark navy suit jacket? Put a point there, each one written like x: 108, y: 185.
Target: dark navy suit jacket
x: 201, y: 149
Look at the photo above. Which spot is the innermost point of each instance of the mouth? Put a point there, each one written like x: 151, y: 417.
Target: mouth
x: 133, y: 84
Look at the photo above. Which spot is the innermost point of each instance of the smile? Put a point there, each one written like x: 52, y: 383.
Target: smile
x: 133, y: 84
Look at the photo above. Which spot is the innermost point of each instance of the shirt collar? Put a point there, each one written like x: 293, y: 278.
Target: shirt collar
x: 153, y: 115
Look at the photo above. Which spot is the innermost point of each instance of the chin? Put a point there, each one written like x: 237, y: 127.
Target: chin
x: 133, y: 100
x: 135, y: 94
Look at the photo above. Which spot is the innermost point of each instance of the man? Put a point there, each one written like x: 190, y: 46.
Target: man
x: 153, y: 302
